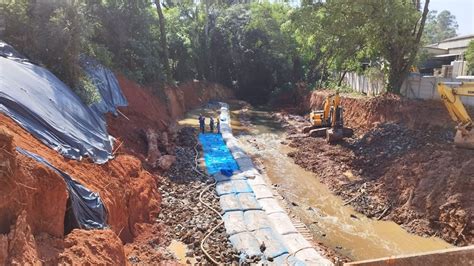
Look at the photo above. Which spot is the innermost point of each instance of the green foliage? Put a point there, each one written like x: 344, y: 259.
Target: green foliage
x: 51, y: 34
x: 86, y: 90
x: 256, y: 48
x: 130, y: 31
x: 439, y: 27
x: 469, y: 55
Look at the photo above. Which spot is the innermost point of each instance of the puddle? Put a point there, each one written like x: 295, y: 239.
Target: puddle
x: 179, y: 249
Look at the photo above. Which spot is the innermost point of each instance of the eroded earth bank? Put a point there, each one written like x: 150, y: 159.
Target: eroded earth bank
x: 136, y: 187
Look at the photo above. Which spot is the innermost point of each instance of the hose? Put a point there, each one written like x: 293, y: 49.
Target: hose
x: 195, y: 168
x: 293, y: 254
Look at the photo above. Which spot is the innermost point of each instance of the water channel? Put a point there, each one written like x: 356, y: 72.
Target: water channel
x: 328, y: 219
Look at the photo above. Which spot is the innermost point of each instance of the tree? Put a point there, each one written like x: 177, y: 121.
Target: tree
x: 331, y: 37
x: 470, y: 57
x: 164, y: 42
x: 394, y: 29
x: 439, y: 27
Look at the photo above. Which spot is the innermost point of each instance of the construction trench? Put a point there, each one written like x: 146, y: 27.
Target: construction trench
x: 259, y: 193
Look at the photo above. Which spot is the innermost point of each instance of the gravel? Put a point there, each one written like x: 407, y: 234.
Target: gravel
x: 187, y: 219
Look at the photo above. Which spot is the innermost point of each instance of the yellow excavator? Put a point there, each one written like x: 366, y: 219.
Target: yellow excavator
x: 450, y: 94
x: 329, y: 121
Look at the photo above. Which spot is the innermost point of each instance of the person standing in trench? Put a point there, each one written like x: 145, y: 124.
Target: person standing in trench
x: 218, y: 125
x: 202, y: 121
x: 211, y: 124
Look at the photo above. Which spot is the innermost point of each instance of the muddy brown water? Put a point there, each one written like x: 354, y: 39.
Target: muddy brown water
x: 328, y: 219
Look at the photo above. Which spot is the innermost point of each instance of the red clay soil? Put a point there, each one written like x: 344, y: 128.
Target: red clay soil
x: 150, y: 110
x: 402, y: 166
x: 33, y: 198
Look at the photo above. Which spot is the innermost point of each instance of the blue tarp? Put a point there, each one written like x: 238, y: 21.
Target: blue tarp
x: 47, y: 108
x: 216, y: 154
x: 87, y: 208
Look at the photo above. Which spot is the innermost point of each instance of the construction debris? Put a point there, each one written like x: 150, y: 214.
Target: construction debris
x: 188, y: 220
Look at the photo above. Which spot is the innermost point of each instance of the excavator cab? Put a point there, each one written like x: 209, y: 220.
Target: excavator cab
x: 451, y: 93
x: 328, y: 122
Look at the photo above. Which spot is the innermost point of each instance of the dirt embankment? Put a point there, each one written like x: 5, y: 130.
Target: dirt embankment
x: 401, y: 166
x: 33, y: 198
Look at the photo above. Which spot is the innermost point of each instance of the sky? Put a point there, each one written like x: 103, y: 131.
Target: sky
x: 462, y: 9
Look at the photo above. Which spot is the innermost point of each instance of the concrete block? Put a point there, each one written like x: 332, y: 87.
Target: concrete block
x: 230, y: 202
x: 241, y: 186
x: 256, y: 219
x: 262, y: 191
x: 224, y: 187
x: 248, y: 201
x: 246, y: 243
x: 282, y: 223
x: 234, y: 222
x: 295, y: 242
x: 270, y: 205
x: 274, y: 245
x: 311, y: 257
x: 285, y: 259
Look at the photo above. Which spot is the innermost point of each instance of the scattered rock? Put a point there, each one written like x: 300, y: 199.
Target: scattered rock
x: 166, y: 161
x: 186, y: 218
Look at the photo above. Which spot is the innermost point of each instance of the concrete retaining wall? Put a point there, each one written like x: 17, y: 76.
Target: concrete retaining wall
x: 455, y: 256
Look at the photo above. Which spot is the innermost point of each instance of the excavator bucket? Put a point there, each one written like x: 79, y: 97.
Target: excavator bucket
x: 464, y: 139
x: 334, y: 135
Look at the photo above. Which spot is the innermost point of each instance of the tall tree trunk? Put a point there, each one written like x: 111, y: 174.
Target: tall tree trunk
x: 400, y: 66
x: 164, y: 41
x: 341, y: 78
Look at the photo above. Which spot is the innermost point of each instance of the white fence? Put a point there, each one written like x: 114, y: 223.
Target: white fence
x: 363, y: 84
x: 414, y: 87
x: 417, y: 87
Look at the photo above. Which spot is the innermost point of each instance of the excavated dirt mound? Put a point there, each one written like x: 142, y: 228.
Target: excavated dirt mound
x: 365, y: 113
x: 33, y: 198
x: 401, y: 166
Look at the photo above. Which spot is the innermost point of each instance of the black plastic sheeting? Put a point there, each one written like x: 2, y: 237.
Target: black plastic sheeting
x: 107, y: 84
x: 87, y: 209
x: 7, y: 51
x: 47, y: 108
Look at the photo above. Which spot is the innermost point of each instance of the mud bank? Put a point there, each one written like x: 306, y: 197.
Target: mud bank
x: 401, y: 166
x: 33, y: 198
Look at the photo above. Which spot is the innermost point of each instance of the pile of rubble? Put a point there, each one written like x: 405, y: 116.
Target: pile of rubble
x: 388, y: 141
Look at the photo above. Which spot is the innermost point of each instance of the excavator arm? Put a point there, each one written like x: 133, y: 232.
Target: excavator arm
x: 451, y: 93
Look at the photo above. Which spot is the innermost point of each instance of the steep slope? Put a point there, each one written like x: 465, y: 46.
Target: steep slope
x: 33, y: 198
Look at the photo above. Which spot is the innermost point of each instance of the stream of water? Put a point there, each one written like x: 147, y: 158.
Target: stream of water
x: 324, y: 213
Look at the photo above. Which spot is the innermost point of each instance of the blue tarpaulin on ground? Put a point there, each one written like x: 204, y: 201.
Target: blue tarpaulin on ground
x: 47, y: 108
x: 216, y: 154
x: 87, y: 208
